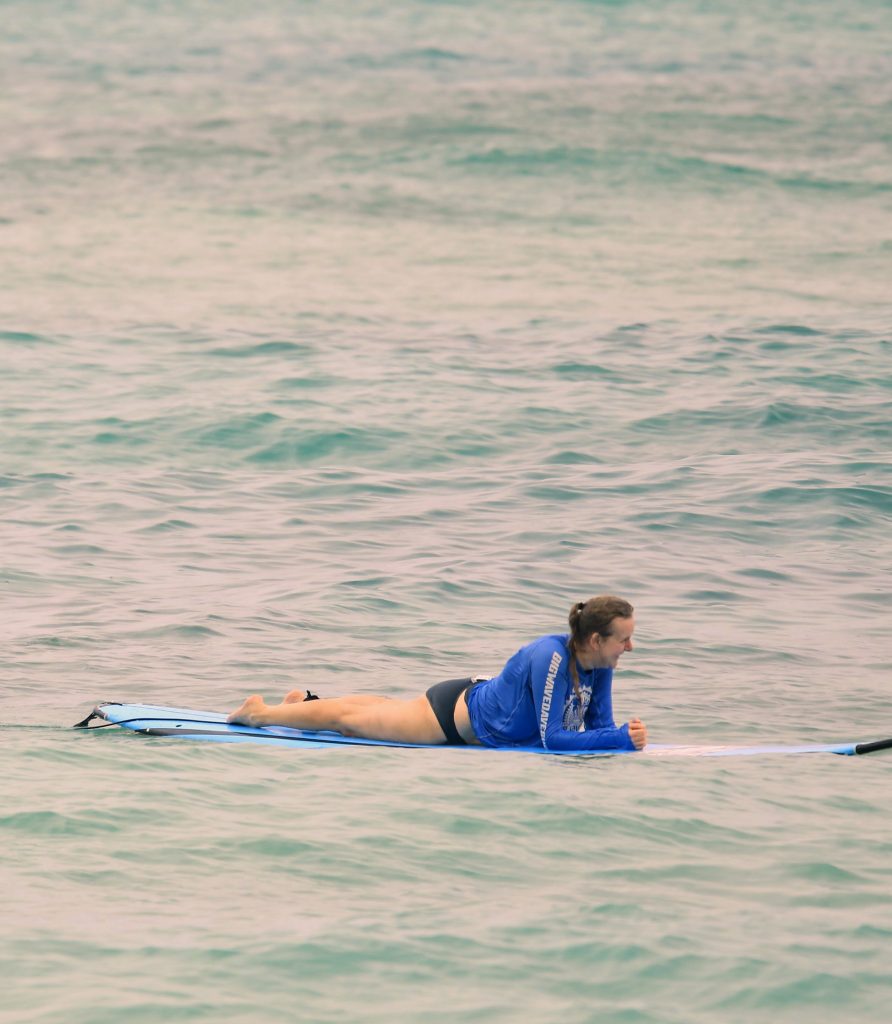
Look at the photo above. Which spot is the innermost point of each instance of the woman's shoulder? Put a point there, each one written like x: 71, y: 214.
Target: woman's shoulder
x: 537, y: 651
x: 550, y: 643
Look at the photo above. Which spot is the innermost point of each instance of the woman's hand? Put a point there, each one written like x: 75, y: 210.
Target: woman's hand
x: 637, y: 733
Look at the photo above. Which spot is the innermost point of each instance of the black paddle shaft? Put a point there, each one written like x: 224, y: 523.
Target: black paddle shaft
x: 870, y: 748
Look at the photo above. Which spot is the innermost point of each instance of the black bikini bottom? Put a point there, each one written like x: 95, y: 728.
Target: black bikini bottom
x: 443, y: 697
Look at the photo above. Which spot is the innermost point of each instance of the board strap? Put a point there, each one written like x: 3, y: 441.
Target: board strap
x: 95, y: 713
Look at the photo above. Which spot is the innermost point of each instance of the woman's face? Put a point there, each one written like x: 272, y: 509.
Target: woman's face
x: 605, y: 651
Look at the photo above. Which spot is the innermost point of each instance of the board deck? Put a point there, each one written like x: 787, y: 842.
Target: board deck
x: 185, y: 723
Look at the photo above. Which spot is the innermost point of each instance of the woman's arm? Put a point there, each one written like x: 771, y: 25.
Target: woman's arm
x: 552, y: 688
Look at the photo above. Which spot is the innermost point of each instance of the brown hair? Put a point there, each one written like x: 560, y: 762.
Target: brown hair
x: 593, y: 616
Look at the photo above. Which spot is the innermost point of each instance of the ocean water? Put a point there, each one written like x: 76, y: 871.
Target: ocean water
x: 346, y: 345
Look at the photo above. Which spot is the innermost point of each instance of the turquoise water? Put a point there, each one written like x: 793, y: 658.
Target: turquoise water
x: 346, y: 345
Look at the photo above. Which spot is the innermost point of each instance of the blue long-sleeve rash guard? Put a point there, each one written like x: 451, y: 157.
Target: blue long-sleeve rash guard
x: 532, y: 702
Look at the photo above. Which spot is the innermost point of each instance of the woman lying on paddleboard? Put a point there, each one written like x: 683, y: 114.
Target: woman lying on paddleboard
x: 555, y: 691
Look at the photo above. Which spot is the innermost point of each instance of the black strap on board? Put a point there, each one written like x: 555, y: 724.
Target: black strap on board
x: 95, y: 713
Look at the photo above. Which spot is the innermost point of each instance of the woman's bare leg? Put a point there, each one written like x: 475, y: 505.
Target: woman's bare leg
x: 298, y: 696
x: 295, y: 696
x: 375, y: 718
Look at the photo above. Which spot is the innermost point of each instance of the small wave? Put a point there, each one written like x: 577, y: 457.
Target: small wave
x: 203, y: 150
x: 25, y: 338
x: 61, y: 642
x: 79, y: 549
x: 765, y: 574
x: 875, y: 599
x: 167, y: 526
x: 308, y: 383
x: 798, y: 330
x: 587, y: 371
x: 107, y: 437
x: 553, y: 492
x: 691, y: 421
x: 429, y: 56
x: 786, y: 413
x: 312, y: 446
x: 532, y: 161
x: 51, y: 823
x: 238, y: 432
x: 431, y: 53
x: 713, y: 596
x: 872, y: 499
x: 570, y: 457
x: 186, y: 632
x: 720, y: 173
x: 823, y: 871
x: 263, y: 348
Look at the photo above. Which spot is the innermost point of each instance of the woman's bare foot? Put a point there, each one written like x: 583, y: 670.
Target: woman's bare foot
x: 249, y: 713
